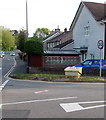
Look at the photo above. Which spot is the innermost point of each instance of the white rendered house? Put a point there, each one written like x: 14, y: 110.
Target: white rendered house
x: 88, y: 28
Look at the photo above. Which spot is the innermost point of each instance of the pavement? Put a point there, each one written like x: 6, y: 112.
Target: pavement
x: 21, y: 66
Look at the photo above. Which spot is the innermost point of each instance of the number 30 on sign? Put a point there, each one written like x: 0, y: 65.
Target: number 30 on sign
x: 100, y: 44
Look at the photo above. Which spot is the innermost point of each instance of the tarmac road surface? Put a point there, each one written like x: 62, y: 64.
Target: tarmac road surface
x: 28, y: 99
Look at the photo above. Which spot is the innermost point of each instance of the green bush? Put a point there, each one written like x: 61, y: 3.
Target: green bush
x: 34, y: 47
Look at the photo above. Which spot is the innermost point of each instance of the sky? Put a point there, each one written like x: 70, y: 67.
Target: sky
x: 41, y: 13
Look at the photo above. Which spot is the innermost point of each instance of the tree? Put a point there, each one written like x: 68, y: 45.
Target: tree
x: 7, y: 40
x: 21, y: 38
x: 41, y: 33
x: 34, y: 47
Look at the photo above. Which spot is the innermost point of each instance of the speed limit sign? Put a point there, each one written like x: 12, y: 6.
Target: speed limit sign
x: 100, y: 44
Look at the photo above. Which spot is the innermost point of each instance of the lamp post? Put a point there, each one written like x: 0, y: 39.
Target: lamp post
x: 26, y: 21
x: 27, y: 33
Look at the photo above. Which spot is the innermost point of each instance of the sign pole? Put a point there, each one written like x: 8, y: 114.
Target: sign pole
x: 100, y: 63
x: 100, y: 46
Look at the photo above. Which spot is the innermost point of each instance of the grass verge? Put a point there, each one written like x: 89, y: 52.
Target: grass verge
x: 43, y: 77
x: 55, y: 77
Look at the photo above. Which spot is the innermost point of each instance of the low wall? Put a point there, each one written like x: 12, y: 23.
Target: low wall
x: 85, y: 72
x: 35, y: 60
x: 60, y: 61
x: 51, y: 64
x: 56, y: 64
x: 52, y: 61
x: 93, y: 72
x: 39, y: 70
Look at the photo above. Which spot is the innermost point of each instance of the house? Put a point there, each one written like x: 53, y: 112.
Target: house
x: 59, y: 41
x: 89, y: 26
x: 53, y: 34
x: 59, y: 52
x: 64, y: 41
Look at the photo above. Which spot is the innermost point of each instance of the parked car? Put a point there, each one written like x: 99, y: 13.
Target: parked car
x: 92, y: 63
x: 1, y: 54
x: 12, y: 54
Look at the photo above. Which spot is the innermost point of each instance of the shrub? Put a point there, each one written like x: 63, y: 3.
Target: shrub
x: 34, y: 47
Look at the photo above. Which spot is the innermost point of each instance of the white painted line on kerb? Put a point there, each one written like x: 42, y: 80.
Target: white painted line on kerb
x: 33, y: 101
x: 3, y: 85
x: 72, y: 107
x: 41, y: 91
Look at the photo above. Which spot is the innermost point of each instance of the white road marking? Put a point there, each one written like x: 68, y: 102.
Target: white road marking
x: 43, y: 100
x: 3, y: 85
x: 0, y: 106
x: 0, y: 68
x: 8, y: 73
x: 41, y: 91
x: 72, y: 107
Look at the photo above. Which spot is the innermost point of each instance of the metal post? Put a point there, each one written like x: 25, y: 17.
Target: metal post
x: 105, y: 30
x: 105, y: 42
x: 100, y: 63
x: 26, y: 21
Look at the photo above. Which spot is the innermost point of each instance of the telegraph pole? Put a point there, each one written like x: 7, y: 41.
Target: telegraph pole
x: 26, y: 21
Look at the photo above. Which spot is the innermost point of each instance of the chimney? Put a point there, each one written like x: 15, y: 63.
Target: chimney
x: 57, y: 30
x: 65, y: 30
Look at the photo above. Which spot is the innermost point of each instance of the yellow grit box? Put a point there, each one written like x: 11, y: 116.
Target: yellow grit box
x: 73, y: 71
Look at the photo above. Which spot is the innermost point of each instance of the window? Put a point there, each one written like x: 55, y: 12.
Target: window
x: 86, y: 30
x: 96, y: 62
x: 87, y: 62
x: 48, y: 45
x: 53, y: 44
x: 92, y: 56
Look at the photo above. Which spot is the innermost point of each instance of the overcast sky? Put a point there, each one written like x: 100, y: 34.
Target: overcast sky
x: 41, y: 13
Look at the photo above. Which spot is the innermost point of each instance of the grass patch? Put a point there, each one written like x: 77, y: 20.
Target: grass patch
x: 55, y: 77
x: 44, y: 77
x: 85, y: 78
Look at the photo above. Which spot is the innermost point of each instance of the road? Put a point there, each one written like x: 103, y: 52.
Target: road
x: 28, y: 99
x: 7, y: 63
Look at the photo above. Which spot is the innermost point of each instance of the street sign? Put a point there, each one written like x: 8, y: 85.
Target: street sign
x: 100, y: 44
